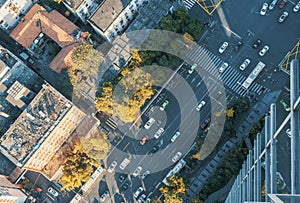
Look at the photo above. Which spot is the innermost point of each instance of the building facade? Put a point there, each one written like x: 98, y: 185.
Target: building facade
x: 10, y: 193
x: 12, y: 12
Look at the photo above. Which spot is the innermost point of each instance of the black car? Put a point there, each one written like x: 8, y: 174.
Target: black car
x: 125, y: 186
x: 238, y: 46
x: 256, y: 43
x: 122, y: 178
x: 155, y: 148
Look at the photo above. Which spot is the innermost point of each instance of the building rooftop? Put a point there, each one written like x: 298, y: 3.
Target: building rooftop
x: 52, y: 24
x: 35, y: 123
x: 73, y: 3
x: 107, y: 12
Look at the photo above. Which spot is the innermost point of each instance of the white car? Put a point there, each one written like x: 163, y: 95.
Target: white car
x: 199, y: 107
x: 264, y: 9
x: 297, y: 7
x: 245, y: 64
x: 137, y: 171
x: 103, y: 196
x: 112, y: 166
x: 53, y: 192
x: 159, y: 133
x: 223, y: 67
x: 176, y: 157
x: 283, y: 16
x: 124, y: 163
x: 138, y: 192
x: 223, y: 47
x: 145, y: 174
x: 191, y: 70
x: 175, y: 136
x: 149, y: 123
x: 264, y: 50
x: 273, y: 4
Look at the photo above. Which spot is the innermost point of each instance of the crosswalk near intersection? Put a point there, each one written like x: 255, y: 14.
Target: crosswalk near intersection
x: 189, y: 3
x: 231, y: 77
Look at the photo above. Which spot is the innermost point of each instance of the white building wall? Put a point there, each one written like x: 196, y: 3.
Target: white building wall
x: 11, y: 12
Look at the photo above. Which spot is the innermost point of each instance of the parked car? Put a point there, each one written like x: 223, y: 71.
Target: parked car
x: 53, y: 192
x: 103, y: 196
x: 176, y: 157
x: 283, y: 16
x: 285, y: 105
x: 122, y: 178
x: 257, y: 43
x: 138, y: 192
x: 245, y: 64
x: 145, y: 174
x: 205, y: 124
x: 175, y: 136
x: 289, y: 133
x: 149, y: 123
x: 144, y: 140
x: 192, y: 68
x: 272, y: 4
x: 223, y: 67
x: 283, y: 3
x: 264, y: 50
x: 125, y: 186
x: 200, y: 106
x: 296, y: 7
x: 264, y: 9
x: 159, y: 132
x: 164, y: 105
x: 137, y: 171
x: 142, y: 198
x: 238, y: 46
x: 112, y: 166
x: 223, y: 47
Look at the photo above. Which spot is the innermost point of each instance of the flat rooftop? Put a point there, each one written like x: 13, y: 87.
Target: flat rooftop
x: 107, y: 12
x: 35, y: 123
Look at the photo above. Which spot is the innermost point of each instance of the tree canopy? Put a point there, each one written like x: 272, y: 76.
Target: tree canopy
x: 176, y: 189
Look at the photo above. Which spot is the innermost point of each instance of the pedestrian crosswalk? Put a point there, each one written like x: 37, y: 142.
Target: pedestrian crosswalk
x: 111, y: 123
x: 231, y: 77
x: 189, y: 3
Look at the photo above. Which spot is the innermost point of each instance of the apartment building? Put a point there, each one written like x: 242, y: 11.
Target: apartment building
x: 10, y: 193
x: 12, y: 12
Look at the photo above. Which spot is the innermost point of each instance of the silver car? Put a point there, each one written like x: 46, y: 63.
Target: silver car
x: 137, y: 171
x: 223, y: 47
x: 223, y: 67
x: 272, y: 5
x: 264, y: 9
x: 158, y: 133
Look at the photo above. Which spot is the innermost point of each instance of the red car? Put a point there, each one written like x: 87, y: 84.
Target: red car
x: 144, y: 140
x: 205, y: 124
x: 283, y: 3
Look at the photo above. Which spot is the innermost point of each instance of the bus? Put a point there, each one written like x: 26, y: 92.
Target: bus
x: 259, y: 67
x: 175, y: 170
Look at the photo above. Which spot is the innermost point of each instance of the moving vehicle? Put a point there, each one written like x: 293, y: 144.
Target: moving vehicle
x: 283, y: 3
x: 245, y: 64
x: 149, y: 123
x: 145, y: 174
x: 103, y: 196
x: 53, y: 192
x: 199, y: 107
x: 164, y: 105
x: 138, y: 192
x: 264, y: 50
x: 175, y: 136
x: 272, y: 4
x: 289, y: 133
x: 155, y: 148
x: 159, y: 132
x: 223, y: 67
x: 223, y: 47
x: 142, y: 198
x: 283, y: 16
x: 297, y: 7
x: 122, y: 178
x: 285, y: 105
x: 176, y: 157
x: 205, y: 124
x: 264, y: 9
x: 191, y: 70
x: 124, y: 163
x: 256, y: 43
x: 255, y: 72
x: 137, y: 171
x: 126, y: 185
x: 144, y: 140
x: 112, y: 166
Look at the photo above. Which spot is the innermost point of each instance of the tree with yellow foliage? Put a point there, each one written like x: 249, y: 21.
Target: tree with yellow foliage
x: 175, y: 190
x: 230, y: 112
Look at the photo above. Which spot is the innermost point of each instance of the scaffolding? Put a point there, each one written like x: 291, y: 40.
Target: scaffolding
x: 293, y: 54
x: 209, y: 6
